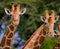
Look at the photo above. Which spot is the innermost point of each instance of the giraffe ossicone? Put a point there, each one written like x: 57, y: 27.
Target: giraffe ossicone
x: 49, y: 20
x: 15, y: 13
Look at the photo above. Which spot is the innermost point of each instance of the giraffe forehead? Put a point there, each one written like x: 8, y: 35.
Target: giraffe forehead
x: 15, y: 16
x: 15, y: 11
x: 49, y: 18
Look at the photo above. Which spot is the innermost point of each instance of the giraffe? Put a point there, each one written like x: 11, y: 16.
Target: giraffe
x: 7, y: 38
x: 35, y: 41
x: 57, y: 45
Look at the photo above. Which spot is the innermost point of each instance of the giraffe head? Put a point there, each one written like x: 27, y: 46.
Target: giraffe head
x: 15, y: 13
x: 49, y: 20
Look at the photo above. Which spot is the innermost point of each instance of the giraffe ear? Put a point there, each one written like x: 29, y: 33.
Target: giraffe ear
x: 7, y: 11
x: 22, y: 11
x: 56, y: 18
x: 42, y: 18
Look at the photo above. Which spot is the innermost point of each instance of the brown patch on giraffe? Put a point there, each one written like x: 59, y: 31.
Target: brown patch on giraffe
x: 44, y: 33
x: 37, y: 47
x: 44, y: 30
x: 6, y: 32
x: 8, y: 42
x: 40, y: 32
x: 58, y: 44
x: 3, y: 41
x: 41, y: 39
x: 10, y: 35
x: 36, y: 43
x: 11, y: 27
x: 6, y: 48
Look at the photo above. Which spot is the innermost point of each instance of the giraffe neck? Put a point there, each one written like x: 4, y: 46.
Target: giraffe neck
x: 37, y: 38
x: 7, y: 37
x: 57, y: 45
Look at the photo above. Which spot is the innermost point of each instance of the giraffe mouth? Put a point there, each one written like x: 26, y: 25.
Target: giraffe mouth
x: 15, y: 20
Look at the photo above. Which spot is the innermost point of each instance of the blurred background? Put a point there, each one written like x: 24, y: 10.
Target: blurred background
x: 30, y: 21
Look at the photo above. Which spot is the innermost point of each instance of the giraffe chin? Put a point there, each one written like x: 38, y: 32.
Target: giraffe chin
x: 15, y: 23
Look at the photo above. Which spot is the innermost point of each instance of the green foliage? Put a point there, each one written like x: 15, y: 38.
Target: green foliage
x: 49, y: 43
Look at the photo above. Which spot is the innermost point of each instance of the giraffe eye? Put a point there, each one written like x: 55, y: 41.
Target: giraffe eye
x: 8, y: 11
x: 44, y: 19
